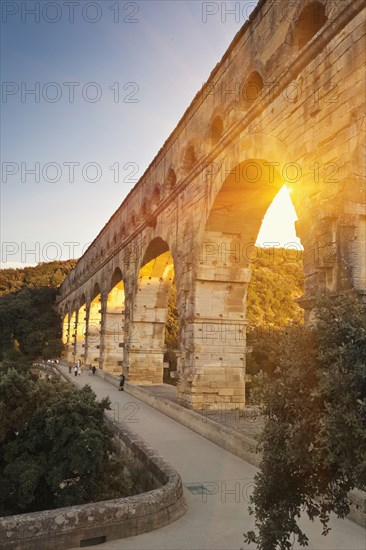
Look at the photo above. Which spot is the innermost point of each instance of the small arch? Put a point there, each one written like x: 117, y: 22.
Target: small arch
x: 155, y: 248
x: 252, y: 88
x: 144, y: 209
x: 156, y: 195
x: 65, y: 327
x: 116, y: 278
x: 65, y: 312
x: 82, y: 300
x: 310, y: 21
x: 171, y: 178
x: 73, y: 324
x: 95, y: 292
x: 190, y: 158
x: 74, y: 306
x: 216, y: 129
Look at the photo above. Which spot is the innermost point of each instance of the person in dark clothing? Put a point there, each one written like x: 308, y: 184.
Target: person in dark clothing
x: 94, y: 368
x: 122, y: 379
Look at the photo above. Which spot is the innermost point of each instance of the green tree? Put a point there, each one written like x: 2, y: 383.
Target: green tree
x: 56, y: 447
x: 171, y: 326
x: 314, y: 441
x: 276, y: 283
x: 171, y: 336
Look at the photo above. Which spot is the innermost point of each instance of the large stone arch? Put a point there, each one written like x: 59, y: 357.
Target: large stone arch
x: 93, y: 330
x: 73, y: 322
x: 146, y: 326
x: 112, y: 326
x: 80, y: 332
x: 65, y: 319
x: 258, y: 149
x: 214, y: 335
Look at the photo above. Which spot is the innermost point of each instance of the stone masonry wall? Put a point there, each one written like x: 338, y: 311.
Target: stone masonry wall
x: 285, y: 105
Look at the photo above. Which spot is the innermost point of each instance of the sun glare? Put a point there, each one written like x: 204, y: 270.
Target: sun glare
x: 278, y: 226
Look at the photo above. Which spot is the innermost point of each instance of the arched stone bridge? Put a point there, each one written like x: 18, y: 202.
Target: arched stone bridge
x: 286, y: 104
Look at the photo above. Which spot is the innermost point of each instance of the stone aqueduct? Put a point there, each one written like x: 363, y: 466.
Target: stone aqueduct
x: 286, y: 104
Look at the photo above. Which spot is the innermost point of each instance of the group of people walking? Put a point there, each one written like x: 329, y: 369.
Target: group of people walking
x: 79, y: 367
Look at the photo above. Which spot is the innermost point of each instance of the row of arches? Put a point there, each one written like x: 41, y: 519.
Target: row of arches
x: 203, y: 241
x: 311, y: 19
x: 120, y: 321
x: 308, y: 23
x: 112, y: 331
x: 120, y: 324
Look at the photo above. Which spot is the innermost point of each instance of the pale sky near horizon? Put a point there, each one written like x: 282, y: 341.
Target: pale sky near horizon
x: 107, y: 94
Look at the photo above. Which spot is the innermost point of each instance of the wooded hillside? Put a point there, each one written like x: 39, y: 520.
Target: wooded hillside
x: 29, y: 325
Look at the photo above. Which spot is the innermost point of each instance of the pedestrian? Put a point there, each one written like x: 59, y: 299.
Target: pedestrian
x: 94, y: 368
x: 122, y: 379
x: 90, y: 369
x: 79, y: 368
x: 76, y: 370
x: 69, y: 368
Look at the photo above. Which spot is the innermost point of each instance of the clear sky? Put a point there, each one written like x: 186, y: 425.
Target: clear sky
x: 107, y: 94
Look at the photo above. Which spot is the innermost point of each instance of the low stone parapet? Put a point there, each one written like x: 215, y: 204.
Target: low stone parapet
x: 358, y: 507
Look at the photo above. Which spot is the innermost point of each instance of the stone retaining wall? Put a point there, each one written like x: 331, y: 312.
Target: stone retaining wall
x: 77, y: 526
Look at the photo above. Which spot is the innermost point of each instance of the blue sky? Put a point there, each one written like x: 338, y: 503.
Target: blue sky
x: 156, y: 55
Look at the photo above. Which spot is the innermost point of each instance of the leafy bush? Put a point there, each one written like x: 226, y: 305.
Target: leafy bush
x: 56, y: 448
x: 314, y: 441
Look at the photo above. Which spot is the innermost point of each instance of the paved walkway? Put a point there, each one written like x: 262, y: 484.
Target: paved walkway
x: 245, y: 422
x: 214, y: 521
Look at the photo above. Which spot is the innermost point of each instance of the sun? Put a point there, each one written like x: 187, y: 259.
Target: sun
x: 278, y: 226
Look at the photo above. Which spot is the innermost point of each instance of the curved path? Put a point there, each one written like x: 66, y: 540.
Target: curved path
x: 216, y: 520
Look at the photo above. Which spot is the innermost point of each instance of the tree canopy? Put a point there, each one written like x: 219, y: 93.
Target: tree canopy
x: 276, y: 283
x: 314, y: 441
x: 56, y: 448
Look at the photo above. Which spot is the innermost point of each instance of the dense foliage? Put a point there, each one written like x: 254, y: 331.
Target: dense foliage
x: 29, y: 325
x: 277, y: 281
x: 56, y: 448
x: 50, y: 274
x: 314, y: 442
x: 171, y: 337
x: 171, y: 327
